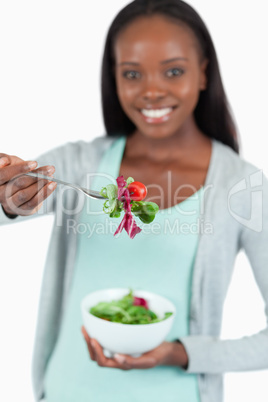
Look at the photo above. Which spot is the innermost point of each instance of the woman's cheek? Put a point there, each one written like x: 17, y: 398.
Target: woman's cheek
x: 189, y: 95
x: 127, y: 92
x: 127, y: 96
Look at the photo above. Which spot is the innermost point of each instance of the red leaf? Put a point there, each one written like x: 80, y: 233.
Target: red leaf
x: 139, y: 301
x: 128, y: 222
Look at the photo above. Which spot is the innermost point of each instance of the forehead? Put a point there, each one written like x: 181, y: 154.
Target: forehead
x: 155, y: 37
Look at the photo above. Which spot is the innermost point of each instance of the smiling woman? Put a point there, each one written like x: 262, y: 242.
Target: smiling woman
x: 159, y: 103
x: 168, y: 124
x: 159, y: 80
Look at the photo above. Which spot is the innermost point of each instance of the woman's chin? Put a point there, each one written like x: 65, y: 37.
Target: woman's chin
x: 156, y: 134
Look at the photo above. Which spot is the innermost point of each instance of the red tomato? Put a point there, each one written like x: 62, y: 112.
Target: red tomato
x: 137, y: 191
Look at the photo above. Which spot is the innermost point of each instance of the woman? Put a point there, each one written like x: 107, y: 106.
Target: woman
x: 168, y: 126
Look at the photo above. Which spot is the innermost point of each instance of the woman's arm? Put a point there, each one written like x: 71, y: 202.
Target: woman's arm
x: 167, y: 354
x: 23, y: 195
x: 19, y: 194
x: 28, y: 197
x: 210, y: 354
x: 72, y: 162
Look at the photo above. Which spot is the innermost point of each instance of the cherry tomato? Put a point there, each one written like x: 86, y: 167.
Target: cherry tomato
x: 137, y: 191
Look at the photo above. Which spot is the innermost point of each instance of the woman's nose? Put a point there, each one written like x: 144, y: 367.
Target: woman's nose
x: 153, y: 91
x: 154, y: 94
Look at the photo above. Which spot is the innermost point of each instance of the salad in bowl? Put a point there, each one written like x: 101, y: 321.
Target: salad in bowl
x: 127, y: 322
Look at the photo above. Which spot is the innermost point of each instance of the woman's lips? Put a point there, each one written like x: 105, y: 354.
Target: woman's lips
x: 156, y: 116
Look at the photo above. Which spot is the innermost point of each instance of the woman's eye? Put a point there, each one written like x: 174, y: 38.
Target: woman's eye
x: 131, y: 75
x: 174, y: 72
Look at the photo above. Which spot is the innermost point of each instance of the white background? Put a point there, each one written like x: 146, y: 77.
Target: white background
x: 50, y: 93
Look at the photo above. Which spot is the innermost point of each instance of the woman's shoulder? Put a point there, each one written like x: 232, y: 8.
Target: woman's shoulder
x: 240, y: 188
x: 72, y: 157
x: 78, y: 148
x: 231, y: 164
x: 97, y: 145
x: 235, y: 180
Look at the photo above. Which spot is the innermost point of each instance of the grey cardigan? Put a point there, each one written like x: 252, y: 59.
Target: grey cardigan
x: 234, y: 207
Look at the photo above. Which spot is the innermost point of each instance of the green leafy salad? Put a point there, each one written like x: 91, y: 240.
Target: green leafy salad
x: 128, y: 310
x: 128, y: 197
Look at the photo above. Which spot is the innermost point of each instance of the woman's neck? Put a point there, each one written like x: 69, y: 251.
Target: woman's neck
x: 170, y: 148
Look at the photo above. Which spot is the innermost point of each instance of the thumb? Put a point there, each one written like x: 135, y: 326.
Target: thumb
x: 4, y: 160
x: 121, y: 359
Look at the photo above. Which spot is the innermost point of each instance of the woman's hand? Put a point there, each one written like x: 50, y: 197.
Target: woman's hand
x: 24, y: 195
x: 168, y: 354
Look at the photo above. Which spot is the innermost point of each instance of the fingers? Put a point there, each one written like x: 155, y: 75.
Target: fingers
x: 88, y: 341
x: 96, y: 352
x: 9, y: 171
x: 120, y: 361
x: 24, y: 182
x: 30, y: 200
x: 4, y: 160
x: 129, y: 362
x: 101, y: 359
x: 24, y: 195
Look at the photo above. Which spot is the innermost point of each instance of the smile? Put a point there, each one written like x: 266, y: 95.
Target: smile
x: 157, y: 115
x: 156, y: 112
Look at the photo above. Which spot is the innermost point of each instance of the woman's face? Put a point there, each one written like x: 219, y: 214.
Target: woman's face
x: 159, y: 75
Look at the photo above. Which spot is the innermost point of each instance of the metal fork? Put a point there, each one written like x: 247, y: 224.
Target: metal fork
x: 86, y: 191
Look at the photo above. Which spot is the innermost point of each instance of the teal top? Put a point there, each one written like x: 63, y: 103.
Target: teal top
x: 160, y: 259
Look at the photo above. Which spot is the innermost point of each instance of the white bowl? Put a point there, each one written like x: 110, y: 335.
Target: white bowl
x: 131, y: 339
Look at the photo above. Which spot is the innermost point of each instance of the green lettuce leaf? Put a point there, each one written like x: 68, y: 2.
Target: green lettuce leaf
x: 130, y: 180
x: 145, y: 211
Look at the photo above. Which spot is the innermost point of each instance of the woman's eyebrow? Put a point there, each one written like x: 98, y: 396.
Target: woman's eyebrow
x: 174, y: 59
x: 133, y: 63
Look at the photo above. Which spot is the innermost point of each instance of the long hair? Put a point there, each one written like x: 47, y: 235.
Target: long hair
x: 212, y: 113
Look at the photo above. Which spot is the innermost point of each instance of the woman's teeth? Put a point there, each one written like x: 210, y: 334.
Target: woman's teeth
x: 156, y: 113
